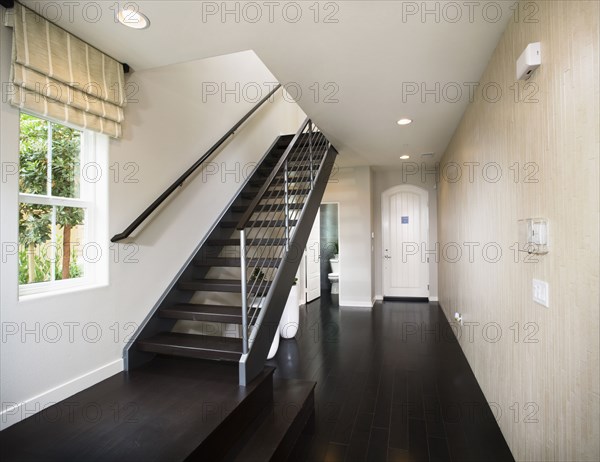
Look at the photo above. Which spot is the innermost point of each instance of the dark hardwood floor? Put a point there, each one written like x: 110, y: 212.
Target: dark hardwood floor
x: 392, y: 385
x: 172, y: 409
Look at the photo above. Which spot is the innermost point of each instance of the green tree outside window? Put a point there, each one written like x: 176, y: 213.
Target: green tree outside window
x: 38, y: 139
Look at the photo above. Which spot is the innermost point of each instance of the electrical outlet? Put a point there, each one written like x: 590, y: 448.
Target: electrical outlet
x: 541, y: 293
x: 458, y: 318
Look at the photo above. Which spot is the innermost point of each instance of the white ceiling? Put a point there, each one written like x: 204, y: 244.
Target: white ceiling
x: 369, y: 55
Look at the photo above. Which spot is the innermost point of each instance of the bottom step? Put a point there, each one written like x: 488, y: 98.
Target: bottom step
x: 272, y: 436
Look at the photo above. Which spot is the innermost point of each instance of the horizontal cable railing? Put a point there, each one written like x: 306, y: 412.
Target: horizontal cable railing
x: 281, y: 199
x: 179, y: 182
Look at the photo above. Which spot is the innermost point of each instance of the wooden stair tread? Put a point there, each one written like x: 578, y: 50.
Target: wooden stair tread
x: 222, y: 285
x: 259, y: 223
x: 290, y: 190
x: 303, y: 180
x: 208, y: 313
x: 267, y: 208
x: 236, y: 242
x: 221, y: 262
x: 193, y: 346
x: 294, y: 169
x: 252, y: 192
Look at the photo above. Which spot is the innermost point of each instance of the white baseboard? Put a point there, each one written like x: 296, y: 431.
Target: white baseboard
x: 380, y: 298
x: 354, y: 304
x: 15, y: 412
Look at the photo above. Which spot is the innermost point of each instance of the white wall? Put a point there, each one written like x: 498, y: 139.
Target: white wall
x: 163, y: 134
x: 413, y: 174
x: 351, y: 188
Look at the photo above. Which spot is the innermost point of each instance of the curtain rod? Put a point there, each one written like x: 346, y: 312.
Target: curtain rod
x: 11, y: 3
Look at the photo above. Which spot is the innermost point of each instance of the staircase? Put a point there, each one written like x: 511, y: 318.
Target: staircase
x: 227, y: 302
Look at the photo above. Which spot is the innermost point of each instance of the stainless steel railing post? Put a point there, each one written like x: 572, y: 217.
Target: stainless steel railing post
x: 310, y: 150
x: 244, y: 281
x: 286, y: 206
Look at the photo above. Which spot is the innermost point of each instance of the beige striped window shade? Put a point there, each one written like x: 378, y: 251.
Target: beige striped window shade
x: 57, y: 75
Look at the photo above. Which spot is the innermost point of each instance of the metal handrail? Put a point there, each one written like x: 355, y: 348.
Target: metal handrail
x: 179, y: 182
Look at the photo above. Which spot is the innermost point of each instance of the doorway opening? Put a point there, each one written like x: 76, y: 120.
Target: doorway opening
x: 321, y: 266
x: 330, y: 250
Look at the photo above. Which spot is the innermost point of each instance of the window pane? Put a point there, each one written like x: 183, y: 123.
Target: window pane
x: 66, y: 147
x: 65, y: 159
x: 36, y: 252
x: 45, y: 255
x: 33, y: 152
x: 70, y: 242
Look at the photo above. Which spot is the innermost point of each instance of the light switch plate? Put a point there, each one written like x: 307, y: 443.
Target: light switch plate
x: 541, y: 293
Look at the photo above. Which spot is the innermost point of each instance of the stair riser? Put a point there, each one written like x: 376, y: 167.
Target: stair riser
x: 278, y: 427
x: 220, y: 440
x: 295, y: 431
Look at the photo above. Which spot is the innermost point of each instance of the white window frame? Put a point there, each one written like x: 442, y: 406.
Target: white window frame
x: 92, y: 270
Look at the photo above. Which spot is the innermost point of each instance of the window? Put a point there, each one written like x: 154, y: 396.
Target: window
x: 56, y: 206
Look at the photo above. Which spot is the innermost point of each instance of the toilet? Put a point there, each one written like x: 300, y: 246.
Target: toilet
x: 334, y: 276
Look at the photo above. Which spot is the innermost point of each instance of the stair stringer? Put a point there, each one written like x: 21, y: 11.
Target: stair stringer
x: 252, y: 363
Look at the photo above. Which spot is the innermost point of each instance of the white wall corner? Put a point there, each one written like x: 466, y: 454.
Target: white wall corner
x: 13, y: 413
x: 378, y: 298
x: 434, y: 299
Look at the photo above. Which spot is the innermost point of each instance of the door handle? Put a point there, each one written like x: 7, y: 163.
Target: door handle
x: 387, y: 256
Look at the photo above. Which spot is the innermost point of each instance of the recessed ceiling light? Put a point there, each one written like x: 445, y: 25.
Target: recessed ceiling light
x: 404, y: 121
x: 134, y: 19
x: 404, y: 157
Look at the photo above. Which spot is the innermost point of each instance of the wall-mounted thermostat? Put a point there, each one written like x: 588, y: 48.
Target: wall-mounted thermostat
x: 529, y: 61
x: 533, y: 235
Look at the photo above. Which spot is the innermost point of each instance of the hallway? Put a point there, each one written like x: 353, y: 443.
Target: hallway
x: 392, y: 384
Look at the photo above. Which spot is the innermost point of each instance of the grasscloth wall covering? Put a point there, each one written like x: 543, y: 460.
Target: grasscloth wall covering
x: 542, y: 373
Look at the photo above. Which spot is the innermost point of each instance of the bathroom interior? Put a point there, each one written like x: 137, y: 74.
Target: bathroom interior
x: 329, y: 235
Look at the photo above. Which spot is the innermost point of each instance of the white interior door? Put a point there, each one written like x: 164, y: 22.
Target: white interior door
x: 313, y: 261
x: 405, y: 215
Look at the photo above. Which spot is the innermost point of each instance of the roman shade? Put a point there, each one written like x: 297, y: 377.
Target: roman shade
x: 58, y: 75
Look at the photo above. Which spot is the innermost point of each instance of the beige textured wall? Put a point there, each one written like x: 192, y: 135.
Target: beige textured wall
x: 559, y: 134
